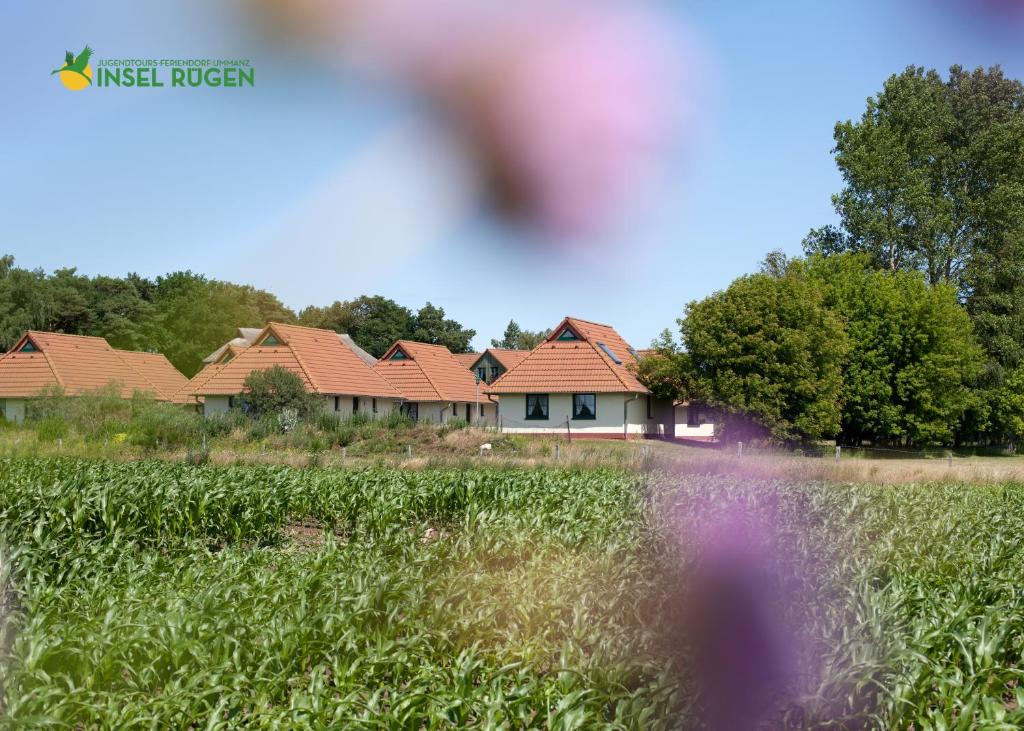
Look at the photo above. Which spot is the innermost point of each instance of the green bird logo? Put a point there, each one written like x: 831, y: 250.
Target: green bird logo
x: 76, y: 73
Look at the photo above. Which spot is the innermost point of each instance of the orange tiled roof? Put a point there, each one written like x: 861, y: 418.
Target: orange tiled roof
x: 509, y: 359
x: 428, y: 373
x: 155, y: 368
x: 467, y: 359
x: 79, y: 363
x: 574, y: 366
x: 325, y: 364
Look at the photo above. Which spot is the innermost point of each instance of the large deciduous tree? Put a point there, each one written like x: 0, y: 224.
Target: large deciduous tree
x: 933, y: 177
x: 768, y: 350
x: 912, y: 356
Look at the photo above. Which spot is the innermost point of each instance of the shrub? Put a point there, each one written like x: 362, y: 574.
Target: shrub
x: 164, y: 425
x: 273, y: 390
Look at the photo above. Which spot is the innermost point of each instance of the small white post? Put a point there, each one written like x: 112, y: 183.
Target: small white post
x: 60, y: 442
x: 558, y: 451
x: 739, y: 449
x: 949, y: 459
x: 344, y: 453
x: 408, y: 451
x: 204, y: 441
x: 839, y: 451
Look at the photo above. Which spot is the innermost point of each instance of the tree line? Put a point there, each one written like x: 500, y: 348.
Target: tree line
x: 186, y: 316
x: 904, y: 323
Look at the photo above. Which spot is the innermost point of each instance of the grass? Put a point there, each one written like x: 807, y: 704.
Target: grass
x: 161, y: 594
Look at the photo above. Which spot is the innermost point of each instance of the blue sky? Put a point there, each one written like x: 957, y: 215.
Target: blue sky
x: 317, y: 186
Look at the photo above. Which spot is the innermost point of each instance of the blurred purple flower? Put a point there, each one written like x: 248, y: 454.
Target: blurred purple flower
x: 567, y: 105
x: 746, y: 656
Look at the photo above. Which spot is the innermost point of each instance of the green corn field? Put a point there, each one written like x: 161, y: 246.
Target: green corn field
x: 164, y: 595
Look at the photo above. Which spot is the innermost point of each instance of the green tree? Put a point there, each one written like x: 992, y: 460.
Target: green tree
x: 374, y: 322
x: 912, y: 354
x: 767, y: 349
x: 510, y: 340
x: 667, y: 371
x: 193, y: 316
x: 934, y: 181
x: 515, y: 338
x: 431, y: 326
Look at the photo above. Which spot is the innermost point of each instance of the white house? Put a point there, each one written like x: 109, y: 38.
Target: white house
x: 325, y: 361
x: 579, y: 382
x: 77, y: 364
x: 435, y: 386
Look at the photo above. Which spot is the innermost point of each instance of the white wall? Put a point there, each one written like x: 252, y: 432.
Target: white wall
x: 344, y: 403
x: 220, y: 405
x: 440, y: 412
x: 13, y: 409
x: 705, y: 431
x: 213, y: 405
x: 609, y: 421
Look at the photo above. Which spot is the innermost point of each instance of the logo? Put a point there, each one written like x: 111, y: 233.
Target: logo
x: 153, y: 73
x: 76, y: 73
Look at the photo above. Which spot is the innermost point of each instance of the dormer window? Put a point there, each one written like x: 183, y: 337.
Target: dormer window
x: 567, y: 333
x: 29, y: 347
x: 399, y: 354
x: 271, y: 340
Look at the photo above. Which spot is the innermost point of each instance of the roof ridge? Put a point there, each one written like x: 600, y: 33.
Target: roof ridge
x: 520, y: 363
x: 135, y: 370
x: 298, y: 359
x: 589, y: 322
x: 427, y: 375
x: 53, y: 369
x: 607, y: 359
x: 426, y: 345
x: 66, y: 335
x: 301, y: 327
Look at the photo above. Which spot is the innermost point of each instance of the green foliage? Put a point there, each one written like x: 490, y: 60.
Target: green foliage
x: 377, y: 322
x: 431, y: 326
x: 98, y: 415
x: 161, y: 594
x: 515, y: 338
x: 667, y: 372
x: 934, y: 182
x: 271, y: 392
x: 769, y: 348
x: 912, y: 358
x: 185, y: 316
x: 194, y: 316
x: 373, y: 322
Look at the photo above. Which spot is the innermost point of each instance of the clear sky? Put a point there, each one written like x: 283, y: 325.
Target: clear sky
x: 318, y: 187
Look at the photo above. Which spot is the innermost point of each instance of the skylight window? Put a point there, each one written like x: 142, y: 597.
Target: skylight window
x: 636, y: 355
x: 608, y: 351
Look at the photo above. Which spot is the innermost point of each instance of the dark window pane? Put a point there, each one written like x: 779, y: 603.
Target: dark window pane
x: 692, y: 416
x: 537, y: 406
x: 584, y: 406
